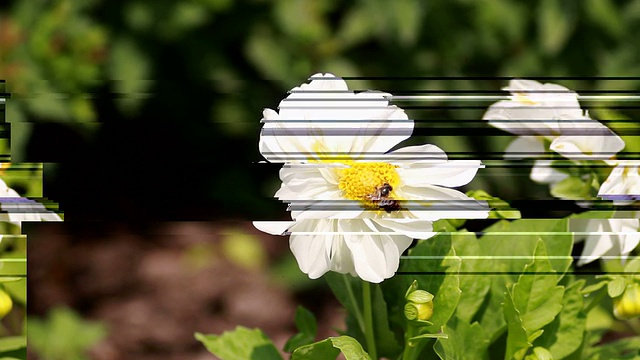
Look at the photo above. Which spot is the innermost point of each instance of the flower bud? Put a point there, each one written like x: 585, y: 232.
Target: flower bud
x: 418, y: 311
x: 419, y: 303
x: 627, y: 305
x: 5, y: 303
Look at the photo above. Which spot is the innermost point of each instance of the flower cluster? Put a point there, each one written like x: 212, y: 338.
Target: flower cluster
x: 549, y: 116
x: 356, y: 205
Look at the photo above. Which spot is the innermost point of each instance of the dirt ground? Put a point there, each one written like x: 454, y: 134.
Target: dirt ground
x: 155, y: 287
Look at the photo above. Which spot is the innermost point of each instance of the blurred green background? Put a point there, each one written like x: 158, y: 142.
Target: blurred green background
x: 151, y: 109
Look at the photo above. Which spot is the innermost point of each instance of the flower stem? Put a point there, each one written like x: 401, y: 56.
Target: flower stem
x: 408, y: 353
x: 368, y: 320
x: 354, y: 303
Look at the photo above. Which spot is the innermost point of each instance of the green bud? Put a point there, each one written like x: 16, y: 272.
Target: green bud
x: 418, y: 311
x: 5, y: 303
x: 420, y: 297
x: 419, y: 303
x: 627, y: 305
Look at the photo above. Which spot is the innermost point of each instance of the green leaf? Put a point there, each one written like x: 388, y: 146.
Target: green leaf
x: 536, y: 295
x: 572, y: 188
x: 534, y: 301
x: 240, y: 344
x: 507, y: 247
x: 615, y: 350
x: 594, y: 287
x: 307, y: 327
x: 330, y: 349
x: 63, y: 335
x: 517, y: 339
x: 565, y: 333
x: 474, y: 287
x: 463, y: 339
x: 633, y: 266
x: 10, y: 343
x: 616, y: 287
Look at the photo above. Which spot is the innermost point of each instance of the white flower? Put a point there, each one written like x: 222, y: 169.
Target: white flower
x: 606, y: 238
x: 548, y: 112
x: 356, y: 206
x: 623, y: 184
x: 17, y: 209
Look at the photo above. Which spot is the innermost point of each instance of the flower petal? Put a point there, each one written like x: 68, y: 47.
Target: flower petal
x: 434, y: 203
x: 273, y: 227
x: 542, y: 172
x: 524, y: 146
x: 452, y: 173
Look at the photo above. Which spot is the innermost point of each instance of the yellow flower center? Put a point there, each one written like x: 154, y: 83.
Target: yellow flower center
x: 361, y: 180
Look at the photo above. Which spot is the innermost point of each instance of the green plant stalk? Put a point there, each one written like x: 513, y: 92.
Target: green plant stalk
x: 368, y: 320
x: 354, y: 303
x: 409, y: 351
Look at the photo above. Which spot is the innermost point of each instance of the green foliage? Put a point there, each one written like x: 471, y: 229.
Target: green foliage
x: 307, y: 327
x: 240, y: 344
x: 64, y: 335
x: 330, y: 349
x: 348, y: 290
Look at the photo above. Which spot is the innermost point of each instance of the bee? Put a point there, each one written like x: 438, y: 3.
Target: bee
x: 381, y: 198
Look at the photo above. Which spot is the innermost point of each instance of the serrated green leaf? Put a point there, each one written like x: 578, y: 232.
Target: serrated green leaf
x: 565, y: 333
x: 536, y: 294
x: 330, y: 348
x: 517, y: 339
x: 240, y: 344
x: 462, y: 340
x: 474, y: 287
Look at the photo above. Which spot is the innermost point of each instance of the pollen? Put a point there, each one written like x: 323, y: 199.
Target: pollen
x: 362, y: 179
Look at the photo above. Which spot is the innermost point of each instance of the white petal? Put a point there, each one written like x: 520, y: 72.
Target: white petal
x: 596, y: 245
x: 524, y: 146
x: 310, y: 251
x: 542, y: 172
x: 273, y: 227
x: 452, y: 173
x: 433, y: 203
x: 412, y: 228
x: 421, y: 154
x: 375, y: 256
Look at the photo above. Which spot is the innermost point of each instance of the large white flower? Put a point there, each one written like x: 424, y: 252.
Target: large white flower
x: 16, y: 209
x: 550, y: 113
x: 623, y: 184
x: 356, y: 206
x: 606, y: 238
